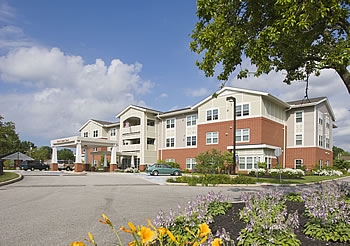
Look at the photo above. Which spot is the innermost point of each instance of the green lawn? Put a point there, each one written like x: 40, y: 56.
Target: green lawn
x: 304, y: 180
x: 8, y: 176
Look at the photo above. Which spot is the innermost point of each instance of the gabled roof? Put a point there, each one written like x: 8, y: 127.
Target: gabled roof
x: 228, y: 90
x: 101, y: 123
x: 17, y: 156
x: 313, y: 102
x: 140, y: 108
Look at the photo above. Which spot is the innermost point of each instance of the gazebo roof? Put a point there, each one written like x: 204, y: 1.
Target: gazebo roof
x: 16, y: 156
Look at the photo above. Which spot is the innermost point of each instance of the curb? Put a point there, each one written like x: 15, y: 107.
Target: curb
x: 20, y: 177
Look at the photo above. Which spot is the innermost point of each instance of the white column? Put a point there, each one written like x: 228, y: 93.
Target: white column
x: 86, y: 156
x: 114, y: 155
x: 105, y: 160
x: 132, y: 164
x: 78, y: 153
x: 54, y: 155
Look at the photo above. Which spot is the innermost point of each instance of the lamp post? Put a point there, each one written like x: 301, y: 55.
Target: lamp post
x: 233, y: 99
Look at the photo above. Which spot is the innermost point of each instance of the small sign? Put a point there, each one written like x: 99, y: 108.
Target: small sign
x: 278, y: 152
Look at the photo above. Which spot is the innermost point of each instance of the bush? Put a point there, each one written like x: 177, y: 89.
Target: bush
x: 213, y: 179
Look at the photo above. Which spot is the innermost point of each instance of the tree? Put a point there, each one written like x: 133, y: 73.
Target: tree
x: 210, y: 161
x: 337, y: 152
x: 43, y: 153
x: 9, y: 141
x: 65, y: 154
x: 298, y: 37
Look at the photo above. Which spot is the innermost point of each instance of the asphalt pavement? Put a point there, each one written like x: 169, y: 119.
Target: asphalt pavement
x: 46, y: 208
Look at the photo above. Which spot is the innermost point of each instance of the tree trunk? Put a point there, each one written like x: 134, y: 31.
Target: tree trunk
x: 345, y: 76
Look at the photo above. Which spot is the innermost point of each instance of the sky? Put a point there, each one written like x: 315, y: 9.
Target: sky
x: 65, y: 62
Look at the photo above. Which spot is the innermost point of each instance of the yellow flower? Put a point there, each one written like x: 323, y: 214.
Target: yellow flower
x: 91, y: 237
x: 172, y: 237
x: 162, y: 231
x: 77, y: 244
x: 204, y: 230
x: 132, y: 227
x: 133, y: 243
x: 125, y: 230
x: 146, y: 234
x: 106, y: 220
x: 216, y: 242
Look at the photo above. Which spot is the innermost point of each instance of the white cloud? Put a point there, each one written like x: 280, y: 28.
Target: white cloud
x: 63, y: 93
x: 201, y: 92
x: 163, y: 95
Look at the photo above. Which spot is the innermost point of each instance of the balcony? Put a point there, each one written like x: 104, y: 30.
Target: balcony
x: 130, y: 147
x: 131, y: 130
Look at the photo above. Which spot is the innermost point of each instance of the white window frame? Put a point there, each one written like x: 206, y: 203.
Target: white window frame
x: 191, y: 163
x: 170, y: 160
x: 170, y: 123
x: 211, y: 116
x: 212, y: 138
x: 113, y: 132
x: 296, y: 163
x: 170, y: 142
x: 85, y: 134
x: 299, y: 119
x: 241, y: 111
x: 95, y: 133
x: 191, y: 120
x: 243, y: 162
x: 297, y: 141
x: 320, y: 140
x: 241, y: 134
x: 192, y: 140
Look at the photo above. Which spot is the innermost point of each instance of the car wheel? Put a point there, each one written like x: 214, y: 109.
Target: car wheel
x: 32, y: 169
x: 68, y: 169
x: 155, y: 173
x: 176, y: 173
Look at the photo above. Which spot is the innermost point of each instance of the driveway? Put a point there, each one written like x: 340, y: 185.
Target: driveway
x: 48, y: 209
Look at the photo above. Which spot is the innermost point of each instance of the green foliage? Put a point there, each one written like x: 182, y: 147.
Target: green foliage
x: 299, y: 37
x: 8, y: 176
x: 210, y: 161
x: 43, y: 153
x: 212, y: 179
x: 218, y: 208
x: 339, y: 232
x: 170, y: 163
x: 9, y: 141
x: 341, y: 164
x: 294, y: 197
x: 65, y: 154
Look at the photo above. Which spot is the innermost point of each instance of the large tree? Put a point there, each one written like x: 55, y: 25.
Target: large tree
x: 9, y: 140
x: 300, y: 37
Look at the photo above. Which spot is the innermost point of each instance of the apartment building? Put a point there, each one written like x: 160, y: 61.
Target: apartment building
x: 301, y: 129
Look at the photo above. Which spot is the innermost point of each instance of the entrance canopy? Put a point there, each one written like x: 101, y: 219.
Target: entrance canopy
x: 71, y: 142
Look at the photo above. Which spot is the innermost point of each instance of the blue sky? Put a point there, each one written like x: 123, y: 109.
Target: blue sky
x: 65, y: 62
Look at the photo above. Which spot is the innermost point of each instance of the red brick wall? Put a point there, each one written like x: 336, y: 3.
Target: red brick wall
x: 309, y: 155
x: 272, y: 135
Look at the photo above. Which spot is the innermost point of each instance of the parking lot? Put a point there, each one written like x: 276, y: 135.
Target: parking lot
x: 56, y: 208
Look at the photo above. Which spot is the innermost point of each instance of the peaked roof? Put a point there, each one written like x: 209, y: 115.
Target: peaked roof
x: 101, y: 123
x: 17, y: 156
x: 228, y: 89
x: 144, y: 109
x: 313, y: 102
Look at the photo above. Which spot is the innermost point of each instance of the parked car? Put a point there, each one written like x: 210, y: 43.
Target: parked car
x: 157, y: 169
x: 65, y: 165
x: 32, y: 165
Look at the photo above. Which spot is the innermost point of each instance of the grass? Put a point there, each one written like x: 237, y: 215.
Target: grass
x: 8, y: 176
x: 303, y: 180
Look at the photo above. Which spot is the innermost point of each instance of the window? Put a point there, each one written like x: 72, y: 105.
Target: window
x: 86, y: 134
x: 246, y: 162
x: 299, y: 139
x: 327, y: 122
x: 150, y: 141
x: 170, y: 123
x: 170, y: 160
x: 191, y: 141
x: 327, y: 163
x: 95, y: 133
x: 212, y: 114
x: 191, y: 120
x: 112, y: 132
x: 320, y: 162
x: 242, y: 135
x: 150, y: 122
x: 212, y: 138
x: 320, y: 140
x: 190, y: 163
x: 327, y: 143
x: 298, y: 163
x: 298, y: 117
x: 242, y: 110
x: 170, y: 142
x: 320, y: 118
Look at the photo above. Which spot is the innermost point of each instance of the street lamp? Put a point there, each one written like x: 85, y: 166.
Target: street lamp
x: 233, y: 99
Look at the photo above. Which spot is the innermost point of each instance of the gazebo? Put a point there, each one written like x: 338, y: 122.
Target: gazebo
x: 17, y: 157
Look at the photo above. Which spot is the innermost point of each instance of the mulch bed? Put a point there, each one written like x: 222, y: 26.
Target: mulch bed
x: 232, y: 224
